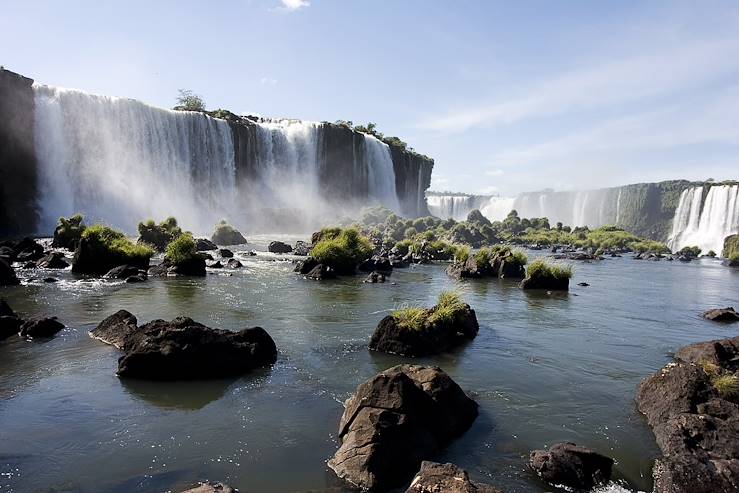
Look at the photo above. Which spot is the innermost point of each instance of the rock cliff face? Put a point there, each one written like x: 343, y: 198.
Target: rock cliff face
x: 17, y: 158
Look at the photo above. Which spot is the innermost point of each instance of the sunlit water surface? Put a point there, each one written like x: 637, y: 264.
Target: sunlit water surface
x: 544, y: 368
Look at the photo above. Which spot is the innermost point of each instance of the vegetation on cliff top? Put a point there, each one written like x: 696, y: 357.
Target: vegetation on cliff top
x: 371, y: 129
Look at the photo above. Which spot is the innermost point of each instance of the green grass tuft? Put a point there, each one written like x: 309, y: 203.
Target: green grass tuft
x: 410, y: 318
x: 542, y: 268
x: 727, y: 385
x: 116, y: 242
x: 182, y: 249
x: 344, y: 251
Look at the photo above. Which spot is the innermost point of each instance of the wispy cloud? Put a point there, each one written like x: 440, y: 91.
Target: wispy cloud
x: 293, y: 5
x: 266, y: 81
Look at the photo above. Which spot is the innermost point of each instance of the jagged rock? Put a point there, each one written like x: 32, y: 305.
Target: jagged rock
x: 545, y: 282
x: 93, y: 256
x: 234, y: 264
x: 226, y: 253
x: 374, y: 278
x: 125, y: 272
x: 279, y: 247
x: 394, y: 421
x: 377, y: 264
x: 194, y: 266
x: 40, y: 327
x: 570, y: 465
x: 7, y: 275
x: 321, y: 272
x: 446, y: 478
x: 727, y: 314
x: 305, y: 266
x: 54, y: 260
x: 435, y: 336
x: 210, y: 487
x: 204, y: 245
x: 696, y: 427
x: 468, y: 269
x: 27, y: 249
x: 214, y: 264
x: 183, y: 349
x: 302, y: 249
x: 115, y: 329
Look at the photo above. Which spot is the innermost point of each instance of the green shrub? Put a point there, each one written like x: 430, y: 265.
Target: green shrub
x: 159, y: 236
x: 410, y: 232
x: 483, y: 257
x: 101, y: 248
x: 727, y: 385
x: 68, y: 232
x: 182, y: 249
x: 520, y: 257
x: 711, y: 253
x: 410, y: 318
x: 462, y: 254
x: 343, y: 252
x: 448, y: 306
x: 542, y: 268
x: 688, y: 251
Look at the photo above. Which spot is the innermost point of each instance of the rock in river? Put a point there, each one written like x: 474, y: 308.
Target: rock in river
x: 209, y: 487
x: 575, y: 467
x: 279, y: 247
x: 53, y: 260
x: 727, y: 314
x: 115, y: 329
x: 7, y: 274
x: 395, y: 421
x: 447, y: 478
x: 40, y: 327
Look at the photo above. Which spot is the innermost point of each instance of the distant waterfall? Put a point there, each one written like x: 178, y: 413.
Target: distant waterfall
x: 705, y: 223
x: 120, y: 161
x: 456, y: 207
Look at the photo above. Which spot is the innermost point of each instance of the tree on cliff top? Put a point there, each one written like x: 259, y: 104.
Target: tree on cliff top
x: 189, y: 101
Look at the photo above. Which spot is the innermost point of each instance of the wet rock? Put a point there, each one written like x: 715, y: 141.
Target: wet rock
x: 377, y: 264
x: 7, y: 254
x: 50, y: 279
x: 468, y: 269
x: 545, y: 282
x: 321, y: 272
x: 727, y: 314
x: 183, y: 349
x: 234, y: 264
x: 583, y: 284
x: 374, y: 278
x: 40, y: 327
x: 123, y: 272
x: 10, y: 323
x: 115, y: 329
x: 279, y: 247
x: 446, y: 478
x: 54, y: 260
x: 305, y: 266
x: 433, y: 337
x: 227, y: 235
x: 205, y: 245
x: 210, y: 487
x: 394, y: 421
x: 214, y: 264
x: 696, y: 427
x: 226, y: 253
x: 194, y: 266
x: 570, y: 465
x: 7, y: 275
x: 27, y: 249
x: 302, y: 249
x: 140, y: 277
x: 29, y: 265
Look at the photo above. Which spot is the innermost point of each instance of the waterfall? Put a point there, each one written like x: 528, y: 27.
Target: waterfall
x: 456, y: 207
x: 705, y: 223
x: 120, y: 161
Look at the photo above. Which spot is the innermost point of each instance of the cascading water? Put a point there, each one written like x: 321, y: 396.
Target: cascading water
x: 705, y: 223
x: 121, y: 161
x: 456, y: 207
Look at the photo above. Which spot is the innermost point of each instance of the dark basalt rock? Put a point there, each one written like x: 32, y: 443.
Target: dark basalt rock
x: 302, y: 249
x: 115, y: 329
x: 375, y: 278
x: 183, y: 349
x: 7, y: 275
x: 321, y: 272
x: 696, y: 427
x: 279, y: 247
x: 205, y: 245
x: 469, y: 269
x: 54, y: 260
x: 27, y: 249
x: 234, y: 264
x: 10, y: 323
x: 140, y: 277
x: 194, y: 266
x: 570, y: 465
x: 29, y: 265
x: 394, y: 421
x: 433, y: 338
x: 51, y: 279
x: 40, y: 327
x: 210, y: 487
x: 228, y: 237
x: 125, y: 272
x: 305, y: 266
x: 214, y: 264
x: 446, y: 478
x: 7, y: 254
x: 226, y: 253
x: 91, y: 258
x: 545, y: 282
x: 727, y: 314
x: 583, y: 284
x: 376, y: 264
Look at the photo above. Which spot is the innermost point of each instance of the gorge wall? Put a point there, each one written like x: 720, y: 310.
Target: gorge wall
x: 121, y: 161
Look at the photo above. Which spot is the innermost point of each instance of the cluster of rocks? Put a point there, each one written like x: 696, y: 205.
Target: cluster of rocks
x: 502, y: 265
x: 695, y: 422
x: 35, y: 328
x: 27, y: 254
x: 183, y: 349
x: 435, y: 335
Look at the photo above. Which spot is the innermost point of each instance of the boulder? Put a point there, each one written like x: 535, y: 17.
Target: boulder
x: 321, y: 272
x: 376, y: 264
x: 125, y: 272
x: 54, y: 260
x: 583, y: 284
x: 447, y: 478
x: 7, y: 274
x: 575, y: 467
x: 727, y: 314
x: 226, y: 253
x: 10, y: 323
x: 279, y: 247
x: 94, y: 256
x: 205, y: 245
x: 140, y: 277
x: 374, y: 278
x: 228, y: 236
x: 302, y: 249
x: 115, y: 329
x: 394, y: 421
x: 723, y: 353
x: 194, y: 266
x: 209, y: 487
x: 507, y: 268
x: 435, y: 336
x: 40, y: 327
x: 183, y: 350
x: 305, y: 266
x: 7, y: 254
x: 214, y: 264
x: 234, y: 264
x: 467, y: 269
x: 545, y: 282
x: 27, y: 249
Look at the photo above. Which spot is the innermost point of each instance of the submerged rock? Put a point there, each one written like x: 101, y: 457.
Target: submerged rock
x: 446, y: 478
x: 184, y: 349
x: 279, y: 247
x: 727, y: 314
x: 193, y: 266
x: 115, y: 329
x: 54, y: 260
x: 125, y: 272
x: 40, y: 327
x: 10, y: 323
x: 205, y: 245
x: 374, y: 278
x: 570, y: 465
x: 394, y: 421
x: 695, y: 419
x: 7, y: 275
x: 234, y: 264
x: 214, y: 264
x: 305, y: 266
x: 210, y: 487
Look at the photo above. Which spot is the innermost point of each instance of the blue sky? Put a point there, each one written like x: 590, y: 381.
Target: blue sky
x: 506, y: 96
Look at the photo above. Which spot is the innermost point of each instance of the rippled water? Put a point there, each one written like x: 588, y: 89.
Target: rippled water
x: 543, y: 369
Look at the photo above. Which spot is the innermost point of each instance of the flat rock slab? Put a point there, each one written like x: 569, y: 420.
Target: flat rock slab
x: 447, y: 478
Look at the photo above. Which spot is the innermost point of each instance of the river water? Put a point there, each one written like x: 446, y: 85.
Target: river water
x: 544, y: 368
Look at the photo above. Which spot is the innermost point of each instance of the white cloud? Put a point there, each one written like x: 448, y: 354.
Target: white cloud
x: 266, y: 81
x: 293, y: 5
x: 488, y: 190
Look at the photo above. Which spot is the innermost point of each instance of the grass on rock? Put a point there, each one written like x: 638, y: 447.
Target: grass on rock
x: 448, y: 306
x: 542, y: 268
x: 115, y: 242
x: 182, y: 249
x: 344, y: 250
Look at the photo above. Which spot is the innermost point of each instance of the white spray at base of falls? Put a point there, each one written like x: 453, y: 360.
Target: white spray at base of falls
x: 705, y: 223
x: 120, y: 161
